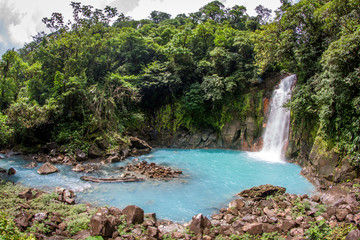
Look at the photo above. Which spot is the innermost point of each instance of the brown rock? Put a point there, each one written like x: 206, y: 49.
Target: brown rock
x: 82, y: 235
x: 151, y: 216
x: 353, y: 235
x: 236, y: 204
x: 47, y: 168
x: 297, y: 232
x: 269, y: 228
x: 27, y: 194
x: 94, y: 151
x: 99, y: 226
x: 78, y: 168
x: 11, y: 171
x: 80, y: 155
x: 229, y: 218
x: 262, y: 191
x: 22, y: 219
x: 199, y: 224
x: 69, y: 197
x: 287, y: 225
x: 134, y: 214
x: 152, y: 232
x: 217, y: 216
x: 253, y: 228
x: 115, y: 211
x: 341, y: 213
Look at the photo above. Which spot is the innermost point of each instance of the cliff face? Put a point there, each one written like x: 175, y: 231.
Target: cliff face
x: 241, y: 132
x: 320, y: 159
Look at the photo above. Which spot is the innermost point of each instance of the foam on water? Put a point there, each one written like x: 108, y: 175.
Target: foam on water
x: 211, y: 179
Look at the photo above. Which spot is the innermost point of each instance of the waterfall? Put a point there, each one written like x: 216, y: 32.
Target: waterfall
x: 277, y: 129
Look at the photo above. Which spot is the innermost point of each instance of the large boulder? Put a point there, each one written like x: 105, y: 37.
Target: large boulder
x: 134, y: 214
x: 47, y: 168
x: 262, y: 191
x: 80, y: 155
x: 199, y: 224
x: 139, y: 144
x: 27, y: 194
x: 22, y: 219
x: 100, y: 226
x: 353, y: 235
x: 253, y: 228
x: 94, y: 151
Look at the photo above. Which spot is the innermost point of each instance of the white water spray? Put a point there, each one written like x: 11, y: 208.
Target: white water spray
x: 277, y: 129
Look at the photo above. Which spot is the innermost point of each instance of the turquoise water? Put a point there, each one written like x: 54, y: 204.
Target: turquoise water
x: 211, y: 179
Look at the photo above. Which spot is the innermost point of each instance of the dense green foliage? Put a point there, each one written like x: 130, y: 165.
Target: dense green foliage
x: 88, y: 79
x: 319, y: 40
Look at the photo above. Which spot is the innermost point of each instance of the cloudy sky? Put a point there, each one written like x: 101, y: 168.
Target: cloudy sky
x: 21, y: 19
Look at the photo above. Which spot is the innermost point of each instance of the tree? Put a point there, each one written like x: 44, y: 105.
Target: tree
x: 263, y: 14
x: 214, y: 11
x: 157, y: 16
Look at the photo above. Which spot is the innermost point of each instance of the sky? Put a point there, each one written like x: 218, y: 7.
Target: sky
x: 21, y: 19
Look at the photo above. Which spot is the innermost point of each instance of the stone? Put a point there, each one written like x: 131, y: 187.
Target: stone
x: 84, y: 234
x: 22, y: 219
x: 262, y: 191
x: 115, y: 211
x: 217, y: 216
x: 238, y: 224
x: 253, y: 228
x: 269, y: 228
x: 139, y: 144
x: 134, y: 214
x: 11, y: 171
x: 31, y: 165
x: 80, y: 155
x: 229, y: 218
x: 353, y: 235
x: 152, y: 232
x: 341, y: 213
x: 315, y: 198
x: 99, y: 226
x: 47, y: 168
x: 27, y: 194
x: 69, y: 197
x: 236, y: 204
x: 150, y: 216
x: 287, y: 225
x: 297, y: 232
x: 94, y: 151
x: 40, y: 217
x: 78, y: 168
x: 199, y: 224
x: 269, y: 212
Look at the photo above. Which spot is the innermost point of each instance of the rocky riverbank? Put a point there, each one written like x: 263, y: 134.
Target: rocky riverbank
x: 263, y: 212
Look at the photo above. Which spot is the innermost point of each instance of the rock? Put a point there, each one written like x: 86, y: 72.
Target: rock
x: 341, y: 213
x: 80, y: 155
x: 27, y: 194
x: 40, y: 217
x: 152, y: 232
x: 253, y: 228
x: 11, y: 171
x: 236, y: 204
x: 99, y: 226
x: 297, y: 232
x: 238, y: 224
x: 94, y: 151
x: 199, y: 224
x: 134, y: 214
x: 78, y: 168
x: 217, y: 216
x: 47, y: 168
x: 151, y: 216
x: 31, y: 165
x: 287, y: 225
x: 269, y: 228
x: 22, y: 219
x: 262, y: 191
x: 84, y: 234
x: 69, y: 197
x: 115, y: 211
x: 315, y: 198
x: 269, y: 212
x: 229, y: 218
x: 139, y: 144
x: 353, y: 235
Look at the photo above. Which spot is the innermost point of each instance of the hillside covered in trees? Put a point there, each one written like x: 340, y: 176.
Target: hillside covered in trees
x: 103, y: 74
